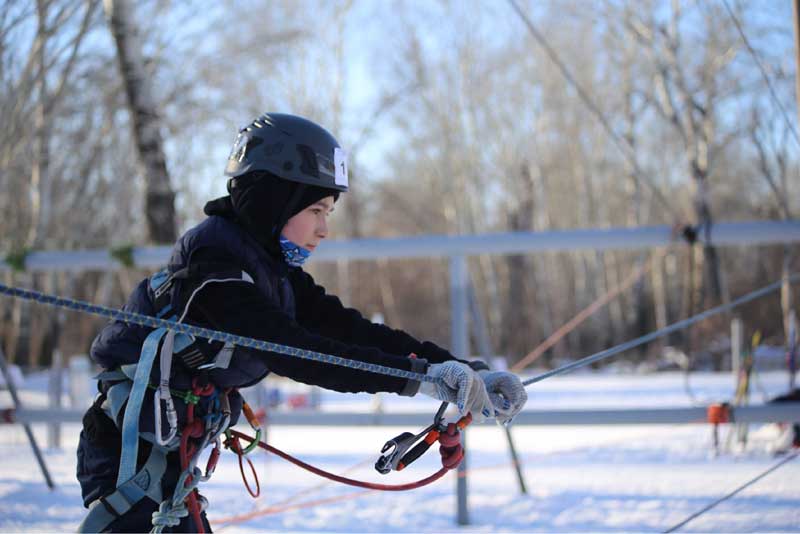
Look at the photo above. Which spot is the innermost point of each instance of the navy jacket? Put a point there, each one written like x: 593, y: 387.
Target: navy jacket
x: 233, y: 284
x: 282, y: 305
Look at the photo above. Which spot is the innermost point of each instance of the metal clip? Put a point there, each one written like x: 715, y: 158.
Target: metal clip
x: 172, y: 417
x: 211, y: 464
x: 394, y: 450
x: 398, y: 447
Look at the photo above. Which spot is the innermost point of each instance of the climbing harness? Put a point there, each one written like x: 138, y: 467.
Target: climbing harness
x: 195, y: 436
x: 146, y: 482
x: 128, y: 386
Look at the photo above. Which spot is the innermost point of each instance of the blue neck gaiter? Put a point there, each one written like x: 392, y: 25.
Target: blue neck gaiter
x: 294, y: 254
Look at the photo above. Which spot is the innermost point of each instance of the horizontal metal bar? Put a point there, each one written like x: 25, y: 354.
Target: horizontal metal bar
x: 772, y: 413
x: 768, y: 413
x: 438, y: 246
x: 431, y: 246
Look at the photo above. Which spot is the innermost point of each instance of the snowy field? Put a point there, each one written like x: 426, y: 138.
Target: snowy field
x: 580, y: 479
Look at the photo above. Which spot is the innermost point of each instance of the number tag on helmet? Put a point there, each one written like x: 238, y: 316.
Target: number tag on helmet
x: 340, y: 162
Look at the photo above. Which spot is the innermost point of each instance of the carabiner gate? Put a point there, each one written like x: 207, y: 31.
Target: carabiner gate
x: 395, y: 452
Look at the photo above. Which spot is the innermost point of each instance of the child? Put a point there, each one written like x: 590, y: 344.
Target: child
x: 240, y: 271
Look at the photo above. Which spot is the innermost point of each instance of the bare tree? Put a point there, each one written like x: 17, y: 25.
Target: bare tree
x: 770, y: 138
x: 160, y: 198
x: 37, y: 82
x: 689, y: 87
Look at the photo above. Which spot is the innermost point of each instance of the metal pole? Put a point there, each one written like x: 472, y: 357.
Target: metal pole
x: 796, y: 6
x: 736, y: 349
x: 13, y: 391
x: 460, y: 345
x: 485, y: 348
x: 55, y: 382
x: 791, y: 349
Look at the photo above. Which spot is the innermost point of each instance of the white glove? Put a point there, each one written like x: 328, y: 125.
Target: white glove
x: 461, y: 386
x: 506, y: 393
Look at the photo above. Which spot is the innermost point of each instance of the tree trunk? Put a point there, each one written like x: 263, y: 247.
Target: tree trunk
x: 786, y: 293
x: 546, y: 290
x: 517, y: 332
x: 160, y: 199
x: 659, y: 291
x: 40, y: 134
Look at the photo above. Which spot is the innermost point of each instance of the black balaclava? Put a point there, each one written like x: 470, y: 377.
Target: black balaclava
x: 262, y: 203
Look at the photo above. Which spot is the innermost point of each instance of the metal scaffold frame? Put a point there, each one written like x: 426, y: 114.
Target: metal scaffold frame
x: 457, y: 249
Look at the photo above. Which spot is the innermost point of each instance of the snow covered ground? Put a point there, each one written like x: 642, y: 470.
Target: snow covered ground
x: 580, y: 479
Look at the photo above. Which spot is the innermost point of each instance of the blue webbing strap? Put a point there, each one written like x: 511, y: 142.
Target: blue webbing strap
x: 130, y: 423
x: 146, y: 483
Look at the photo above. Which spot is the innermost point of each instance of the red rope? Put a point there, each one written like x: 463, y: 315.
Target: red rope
x: 237, y: 448
x: 344, y: 480
x: 188, y: 450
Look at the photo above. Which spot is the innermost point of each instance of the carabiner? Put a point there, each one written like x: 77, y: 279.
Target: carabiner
x: 213, y: 458
x: 254, y: 424
x: 395, y: 452
x: 172, y: 416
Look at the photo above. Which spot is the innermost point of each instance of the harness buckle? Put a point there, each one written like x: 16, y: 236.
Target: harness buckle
x: 165, y: 286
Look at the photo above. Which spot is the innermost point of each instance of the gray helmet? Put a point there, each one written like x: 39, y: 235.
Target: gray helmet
x: 292, y: 148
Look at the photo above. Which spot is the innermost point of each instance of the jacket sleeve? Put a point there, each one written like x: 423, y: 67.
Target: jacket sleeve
x: 238, y: 307
x: 327, y: 315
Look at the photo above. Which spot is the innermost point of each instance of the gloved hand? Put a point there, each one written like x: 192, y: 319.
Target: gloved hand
x: 461, y: 386
x: 506, y: 393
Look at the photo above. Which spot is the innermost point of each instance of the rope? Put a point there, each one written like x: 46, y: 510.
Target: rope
x: 277, y: 509
x: 344, y: 480
x: 290, y: 502
x: 171, y: 511
x: 659, y: 333
x: 786, y: 460
x: 206, y: 333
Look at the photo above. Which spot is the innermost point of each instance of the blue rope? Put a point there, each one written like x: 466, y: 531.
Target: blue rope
x: 155, y: 322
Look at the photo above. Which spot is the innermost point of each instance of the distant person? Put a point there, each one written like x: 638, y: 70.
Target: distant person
x: 240, y: 271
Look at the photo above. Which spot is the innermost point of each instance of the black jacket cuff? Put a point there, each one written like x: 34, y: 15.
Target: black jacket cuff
x: 418, y: 365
